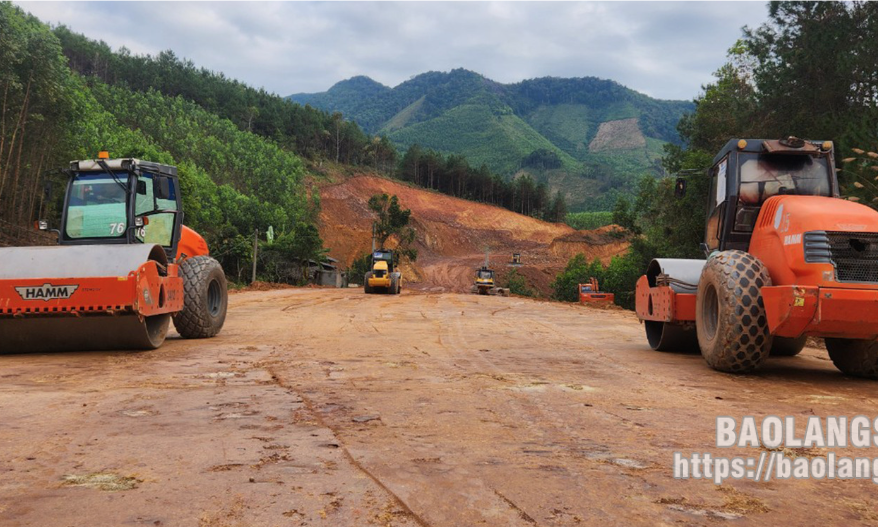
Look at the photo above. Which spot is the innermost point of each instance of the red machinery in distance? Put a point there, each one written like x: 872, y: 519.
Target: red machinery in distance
x: 590, y: 293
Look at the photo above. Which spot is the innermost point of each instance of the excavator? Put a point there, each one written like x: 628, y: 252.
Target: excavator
x: 124, y: 267
x: 590, y: 293
x: 785, y: 258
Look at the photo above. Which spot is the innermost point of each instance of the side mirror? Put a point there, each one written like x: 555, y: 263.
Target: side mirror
x: 161, y: 187
x: 141, y: 187
x: 47, y: 191
x: 680, y: 188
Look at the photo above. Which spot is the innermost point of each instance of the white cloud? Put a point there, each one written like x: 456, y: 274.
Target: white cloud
x: 664, y: 49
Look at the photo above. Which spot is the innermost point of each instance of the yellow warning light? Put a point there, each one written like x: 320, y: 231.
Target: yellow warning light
x: 827, y: 145
x: 742, y: 144
x: 103, y: 154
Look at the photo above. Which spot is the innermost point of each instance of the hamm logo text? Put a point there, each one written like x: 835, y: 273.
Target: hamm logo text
x: 47, y: 292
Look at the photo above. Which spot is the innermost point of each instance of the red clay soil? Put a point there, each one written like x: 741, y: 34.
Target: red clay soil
x: 453, y: 235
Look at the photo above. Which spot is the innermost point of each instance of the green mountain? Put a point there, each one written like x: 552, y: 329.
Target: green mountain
x: 591, y: 138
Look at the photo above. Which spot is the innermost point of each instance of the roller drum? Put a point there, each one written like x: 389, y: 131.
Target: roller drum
x: 686, y: 271
x: 78, y: 331
x: 664, y: 336
x: 85, y: 333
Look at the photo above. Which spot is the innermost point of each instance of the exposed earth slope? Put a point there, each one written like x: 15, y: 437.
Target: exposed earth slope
x: 453, y: 235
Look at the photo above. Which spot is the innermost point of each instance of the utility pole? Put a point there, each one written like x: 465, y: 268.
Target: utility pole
x: 255, y: 250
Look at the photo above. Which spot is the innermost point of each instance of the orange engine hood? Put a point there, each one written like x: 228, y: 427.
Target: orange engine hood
x: 779, y: 235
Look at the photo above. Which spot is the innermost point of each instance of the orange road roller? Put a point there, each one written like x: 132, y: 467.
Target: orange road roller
x: 125, y: 265
x: 786, y: 258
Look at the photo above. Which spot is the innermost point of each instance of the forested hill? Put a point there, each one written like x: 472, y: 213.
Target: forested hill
x: 245, y: 156
x: 242, y: 154
x: 590, y: 137
x: 308, y: 132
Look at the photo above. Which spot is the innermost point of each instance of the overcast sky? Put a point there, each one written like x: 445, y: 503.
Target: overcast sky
x: 664, y: 49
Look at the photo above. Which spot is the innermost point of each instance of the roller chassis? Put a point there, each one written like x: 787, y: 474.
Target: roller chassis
x: 111, y: 291
x: 780, y: 270
x: 383, y: 275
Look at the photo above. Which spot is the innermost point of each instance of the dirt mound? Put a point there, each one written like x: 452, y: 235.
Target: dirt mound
x: 262, y: 286
x: 453, y: 235
x: 603, y: 243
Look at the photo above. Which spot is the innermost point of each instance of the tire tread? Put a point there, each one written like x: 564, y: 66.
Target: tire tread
x: 743, y: 340
x: 194, y: 320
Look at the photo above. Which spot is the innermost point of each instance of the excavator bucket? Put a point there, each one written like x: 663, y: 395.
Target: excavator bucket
x: 88, y: 297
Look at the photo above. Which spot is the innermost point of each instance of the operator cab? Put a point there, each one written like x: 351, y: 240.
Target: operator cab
x: 747, y: 172
x: 485, y: 274
x: 382, y: 255
x: 122, y: 201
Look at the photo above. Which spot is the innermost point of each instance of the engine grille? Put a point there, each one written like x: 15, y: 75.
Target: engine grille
x: 855, y: 255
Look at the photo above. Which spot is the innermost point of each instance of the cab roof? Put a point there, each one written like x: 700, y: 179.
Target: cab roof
x: 130, y: 163
x: 787, y: 145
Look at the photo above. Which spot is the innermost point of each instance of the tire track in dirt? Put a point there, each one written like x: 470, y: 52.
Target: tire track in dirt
x: 522, y: 404
x: 317, y: 416
x: 463, y: 410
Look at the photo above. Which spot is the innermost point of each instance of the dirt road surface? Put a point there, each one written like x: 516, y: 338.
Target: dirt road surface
x: 330, y: 407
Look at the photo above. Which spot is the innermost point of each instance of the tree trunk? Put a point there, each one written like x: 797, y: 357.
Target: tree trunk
x: 3, y: 129
x: 35, y: 188
x: 22, y: 116
x: 337, y: 143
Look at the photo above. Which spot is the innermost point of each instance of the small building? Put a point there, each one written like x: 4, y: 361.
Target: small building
x: 327, y: 273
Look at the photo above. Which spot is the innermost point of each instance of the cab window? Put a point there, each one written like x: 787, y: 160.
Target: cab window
x: 96, y: 207
x: 767, y: 175
x: 160, y: 227
x: 718, y: 176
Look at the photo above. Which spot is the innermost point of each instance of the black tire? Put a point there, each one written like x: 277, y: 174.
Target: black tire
x: 394, y: 285
x: 664, y: 336
x: 787, y: 346
x: 366, y: 288
x: 730, y: 315
x: 205, y: 298
x: 855, y: 357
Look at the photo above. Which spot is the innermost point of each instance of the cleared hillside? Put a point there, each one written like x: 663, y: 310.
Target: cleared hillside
x: 453, y: 235
x: 598, y: 129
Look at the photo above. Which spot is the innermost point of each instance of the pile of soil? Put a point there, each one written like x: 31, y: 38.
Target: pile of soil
x: 264, y: 286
